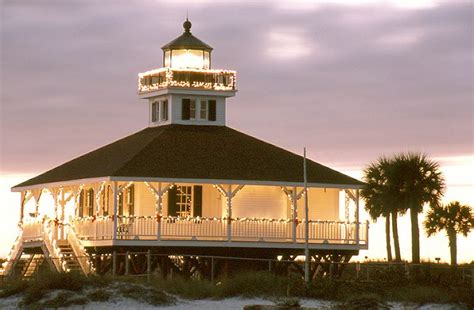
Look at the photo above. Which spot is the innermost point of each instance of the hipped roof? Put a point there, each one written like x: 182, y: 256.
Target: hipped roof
x: 193, y: 152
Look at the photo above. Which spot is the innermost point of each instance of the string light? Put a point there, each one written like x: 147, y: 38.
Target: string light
x: 224, y: 80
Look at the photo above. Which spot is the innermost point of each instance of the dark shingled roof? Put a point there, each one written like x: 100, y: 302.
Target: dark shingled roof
x: 188, y: 41
x: 192, y: 152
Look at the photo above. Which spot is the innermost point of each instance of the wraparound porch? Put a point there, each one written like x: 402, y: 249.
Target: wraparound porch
x: 146, y: 230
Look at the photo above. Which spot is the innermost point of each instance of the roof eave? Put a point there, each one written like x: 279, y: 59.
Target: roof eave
x: 19, y: 188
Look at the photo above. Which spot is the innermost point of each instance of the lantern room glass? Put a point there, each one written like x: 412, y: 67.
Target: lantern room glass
x: 187, y: 59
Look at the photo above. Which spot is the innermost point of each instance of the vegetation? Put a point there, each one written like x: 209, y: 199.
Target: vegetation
x: 454, y: 218
x: 417, y: 181
x: 387, y: 284
x: 54, y: 290
x: 405, y: 182
x: 378, y: 201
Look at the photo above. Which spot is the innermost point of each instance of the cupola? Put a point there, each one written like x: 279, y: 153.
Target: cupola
x: 186, y: 90
x: 187, y: 51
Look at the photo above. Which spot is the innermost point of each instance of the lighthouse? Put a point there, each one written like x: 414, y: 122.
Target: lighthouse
x: 186, y: 186
x: 186, y: 90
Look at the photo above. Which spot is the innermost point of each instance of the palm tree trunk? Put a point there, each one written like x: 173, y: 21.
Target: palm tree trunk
x: 396, y: 240
x: 415, y: 236
x: 387, y: 238
x: 452, y: 246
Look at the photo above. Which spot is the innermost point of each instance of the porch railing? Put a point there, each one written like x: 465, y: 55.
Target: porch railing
x: 215, y: 229
x: 32, y: 230
x: 261, y: 229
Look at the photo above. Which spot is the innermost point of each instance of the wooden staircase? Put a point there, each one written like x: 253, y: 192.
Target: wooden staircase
x: 71, y: 261
x: 27, y: 267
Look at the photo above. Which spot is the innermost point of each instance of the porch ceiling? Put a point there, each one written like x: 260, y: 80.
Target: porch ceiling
x: 192, y: 153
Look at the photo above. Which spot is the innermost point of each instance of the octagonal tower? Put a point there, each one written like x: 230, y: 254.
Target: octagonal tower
x: 186, y: 90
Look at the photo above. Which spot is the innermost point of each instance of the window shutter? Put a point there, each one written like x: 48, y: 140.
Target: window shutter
x: 120, y: 204
x: 81, y: 204
x: 186, y: 107
x: 172, y: 208
x: 197, y: 200
x: 131, y: 200
x: 91, y: 202
x: 212, y: 110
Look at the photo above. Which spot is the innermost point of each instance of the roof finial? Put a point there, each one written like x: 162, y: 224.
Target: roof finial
x: 187, y: 24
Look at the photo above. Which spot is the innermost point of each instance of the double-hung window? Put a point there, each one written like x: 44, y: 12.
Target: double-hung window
x: 203, y: 110
x: 192, y: 109
x: 155, y: 111
x: 164, y: 110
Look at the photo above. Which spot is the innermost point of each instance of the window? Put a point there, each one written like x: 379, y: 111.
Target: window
x: 203, y: 110
x: 154, y: 111
x: 183, y: 201
x: 192, y: 109
x: 164, y: 110
x: 206, y: 110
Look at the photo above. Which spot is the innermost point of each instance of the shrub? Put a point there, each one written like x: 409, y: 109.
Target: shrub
x: 254, y: 284
x: 11, y: 288
x: 99, y: 295
x: 186, y: 288
x: 363, y: 303
x: 143, y: 293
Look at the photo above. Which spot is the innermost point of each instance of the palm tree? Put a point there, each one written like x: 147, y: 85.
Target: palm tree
x: 375, y: 195
x: 454, y: 218
x: 417, y: 181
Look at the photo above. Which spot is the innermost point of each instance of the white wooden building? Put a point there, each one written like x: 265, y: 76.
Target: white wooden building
x: 185, y: 184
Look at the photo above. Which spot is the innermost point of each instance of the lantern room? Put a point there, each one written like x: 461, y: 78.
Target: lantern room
x: 187, y: 52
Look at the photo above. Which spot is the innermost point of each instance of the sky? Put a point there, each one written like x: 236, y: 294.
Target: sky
x: 350, y: 80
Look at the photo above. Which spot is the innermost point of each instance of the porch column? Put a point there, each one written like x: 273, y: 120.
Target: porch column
x: 25, y: 196
x: 229, y: 194
x: 159, y: 193
x: 229, y: 212
x: 115, y: 195
x: 159, y: 212
x: 294, y: 196
x: 98, y: 188
x: 55, y: 194
x: 357, y: 216
x: 294, y: 211
x: 62, y: 203
x: 37, y: 195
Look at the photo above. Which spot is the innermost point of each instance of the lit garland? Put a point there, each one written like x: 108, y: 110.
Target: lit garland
x: 166, y: 75
x: 159, y: 202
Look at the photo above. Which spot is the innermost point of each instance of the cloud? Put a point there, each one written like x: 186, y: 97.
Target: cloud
x: 350, y: 82
x: 288, y: 44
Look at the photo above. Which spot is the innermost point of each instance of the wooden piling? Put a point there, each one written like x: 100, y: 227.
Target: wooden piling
x: 114, y: 263
x: 126, y: 263
x: 148, y: 265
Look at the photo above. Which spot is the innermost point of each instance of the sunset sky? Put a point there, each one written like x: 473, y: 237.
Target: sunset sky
x: 350, y: 80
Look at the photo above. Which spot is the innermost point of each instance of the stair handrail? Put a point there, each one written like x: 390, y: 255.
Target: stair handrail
x: 79, y: 250
x: 14, y: 254
x: 52, y: 247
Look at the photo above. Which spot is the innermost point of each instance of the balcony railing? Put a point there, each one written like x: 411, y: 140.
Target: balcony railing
x: 216, y: 229
x: 218, y: 80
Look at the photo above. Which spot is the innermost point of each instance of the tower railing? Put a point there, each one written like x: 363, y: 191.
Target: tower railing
x: 217, y: 80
